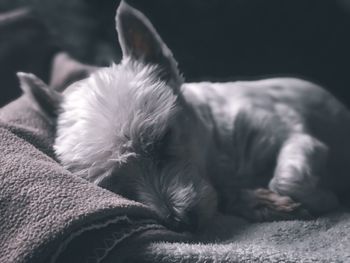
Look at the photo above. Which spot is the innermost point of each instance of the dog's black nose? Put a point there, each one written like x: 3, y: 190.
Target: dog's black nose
x: 186, y: 223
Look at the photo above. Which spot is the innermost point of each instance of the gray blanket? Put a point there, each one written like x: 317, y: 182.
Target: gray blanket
x: 49, y: 215
x: 230, y: 240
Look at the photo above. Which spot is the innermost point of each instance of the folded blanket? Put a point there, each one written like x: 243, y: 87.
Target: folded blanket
x: 49, y: 215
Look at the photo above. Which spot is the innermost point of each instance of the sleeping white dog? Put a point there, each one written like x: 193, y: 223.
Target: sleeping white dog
x: 267, y: 150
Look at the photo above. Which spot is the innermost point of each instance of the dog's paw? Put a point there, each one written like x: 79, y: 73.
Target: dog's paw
x: 274, y: 201
x: 265, y: 205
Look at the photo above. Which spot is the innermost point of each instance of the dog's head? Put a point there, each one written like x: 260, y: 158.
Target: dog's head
x: 129, y: 129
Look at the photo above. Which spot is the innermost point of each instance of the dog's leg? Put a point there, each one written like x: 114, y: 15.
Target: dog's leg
x: 295, y: 191
x: 301, y: 164
x: 265, y: 205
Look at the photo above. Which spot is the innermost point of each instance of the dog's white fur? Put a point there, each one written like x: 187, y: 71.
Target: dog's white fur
x: 188, y: 150
x: 108, y: 114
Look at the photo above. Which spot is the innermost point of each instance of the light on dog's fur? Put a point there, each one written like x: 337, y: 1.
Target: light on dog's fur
x: 109, y: 115
x: 267, y: 150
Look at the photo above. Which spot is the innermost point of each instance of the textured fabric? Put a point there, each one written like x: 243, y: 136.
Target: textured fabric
x: 325, y: 239
x: 46, y: 213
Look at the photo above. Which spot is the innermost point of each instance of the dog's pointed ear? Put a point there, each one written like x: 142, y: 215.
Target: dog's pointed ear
x: 141, y: 42
x: 46, y: 98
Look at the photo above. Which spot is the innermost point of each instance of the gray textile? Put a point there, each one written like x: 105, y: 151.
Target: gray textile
x: 49, y: 215
x: 322, y: 240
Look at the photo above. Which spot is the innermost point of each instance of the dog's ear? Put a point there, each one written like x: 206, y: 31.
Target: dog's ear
x: 141, y: 42
x: 46, y: 98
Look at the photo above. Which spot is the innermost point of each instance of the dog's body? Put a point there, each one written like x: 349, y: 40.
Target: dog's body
x: 286, y: 134
x: 268, y: 149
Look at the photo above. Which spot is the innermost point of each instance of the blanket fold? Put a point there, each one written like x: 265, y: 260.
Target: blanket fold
x: 44, y: 208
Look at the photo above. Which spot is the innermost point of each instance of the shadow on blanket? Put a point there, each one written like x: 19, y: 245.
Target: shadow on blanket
x: 48, y: 214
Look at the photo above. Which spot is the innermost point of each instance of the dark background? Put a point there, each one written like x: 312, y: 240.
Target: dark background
x: 216, y: 40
